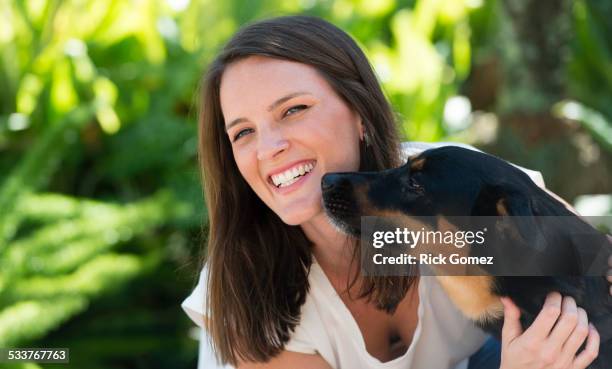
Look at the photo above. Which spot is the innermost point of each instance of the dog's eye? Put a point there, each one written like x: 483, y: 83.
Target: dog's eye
x: 411, y: 185
x: 415, y: 186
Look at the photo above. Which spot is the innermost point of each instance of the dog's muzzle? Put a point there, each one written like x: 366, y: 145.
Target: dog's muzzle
x: 340, y: 202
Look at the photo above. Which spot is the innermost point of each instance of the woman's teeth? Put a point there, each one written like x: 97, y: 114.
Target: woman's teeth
x: 291, y: 175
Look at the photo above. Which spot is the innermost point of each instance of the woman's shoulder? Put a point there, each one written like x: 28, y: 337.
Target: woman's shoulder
x: 410, y: 148
x: 195, y: 304
x: 302, y: 336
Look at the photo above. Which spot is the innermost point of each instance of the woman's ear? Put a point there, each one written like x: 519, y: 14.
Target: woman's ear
x: 361, y: 130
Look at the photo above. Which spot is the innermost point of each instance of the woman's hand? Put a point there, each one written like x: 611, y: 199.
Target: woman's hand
x: 546, y: 345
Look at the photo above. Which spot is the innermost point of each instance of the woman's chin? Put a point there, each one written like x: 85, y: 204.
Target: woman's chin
x: 300, y: 215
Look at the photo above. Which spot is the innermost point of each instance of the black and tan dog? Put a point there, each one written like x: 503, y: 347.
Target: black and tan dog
x: 451, y: 182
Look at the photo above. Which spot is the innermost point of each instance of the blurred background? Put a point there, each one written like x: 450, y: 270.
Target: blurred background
x: 101, y: 213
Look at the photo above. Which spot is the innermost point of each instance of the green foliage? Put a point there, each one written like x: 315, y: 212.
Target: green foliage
x: 16, y: 320
x: 590, y: 69
x: 595, y: 122
x: 99, y: 187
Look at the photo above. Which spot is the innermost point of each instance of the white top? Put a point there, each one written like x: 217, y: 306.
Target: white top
x: 443, y: 338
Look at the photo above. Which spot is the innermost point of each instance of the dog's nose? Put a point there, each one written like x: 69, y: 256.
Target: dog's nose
x: 335, y: 181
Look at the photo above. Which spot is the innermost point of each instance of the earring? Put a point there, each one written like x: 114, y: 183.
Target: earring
x: 366, y: 138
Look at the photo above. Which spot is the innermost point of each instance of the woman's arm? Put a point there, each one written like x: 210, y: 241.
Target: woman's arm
x: 286, y: 359
x: 552, y: 341
x: 289, y: 359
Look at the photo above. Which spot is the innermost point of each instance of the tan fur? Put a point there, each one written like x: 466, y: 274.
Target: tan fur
x: 472, y: 295
x: 501, y: 207
x: 416, y: 163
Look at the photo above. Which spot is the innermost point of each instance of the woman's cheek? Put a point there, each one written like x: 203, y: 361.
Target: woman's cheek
x: 247, y: 167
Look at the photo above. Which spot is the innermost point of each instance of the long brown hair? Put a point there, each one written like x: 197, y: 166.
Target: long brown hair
x: 258, y: 265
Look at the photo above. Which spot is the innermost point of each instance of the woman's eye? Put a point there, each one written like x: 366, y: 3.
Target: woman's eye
x: 242, y: 133
x: 294, y: 109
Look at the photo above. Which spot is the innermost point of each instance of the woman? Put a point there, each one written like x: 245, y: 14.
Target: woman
x: 287, y: 100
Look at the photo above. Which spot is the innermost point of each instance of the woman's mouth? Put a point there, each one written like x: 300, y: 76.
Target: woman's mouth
x: 292, y: 175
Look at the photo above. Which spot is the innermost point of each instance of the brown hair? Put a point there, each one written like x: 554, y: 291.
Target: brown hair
x: 258, y: 265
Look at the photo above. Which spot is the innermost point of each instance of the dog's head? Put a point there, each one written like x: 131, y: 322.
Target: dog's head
x: 450, y: 181
x: 453, y: 182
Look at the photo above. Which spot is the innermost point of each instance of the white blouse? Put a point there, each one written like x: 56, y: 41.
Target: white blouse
x: 443, y: 339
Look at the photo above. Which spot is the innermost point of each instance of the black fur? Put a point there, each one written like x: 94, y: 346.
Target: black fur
x: 453, y: 181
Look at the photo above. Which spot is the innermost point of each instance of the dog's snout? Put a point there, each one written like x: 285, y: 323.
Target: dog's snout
x: 335, y: 181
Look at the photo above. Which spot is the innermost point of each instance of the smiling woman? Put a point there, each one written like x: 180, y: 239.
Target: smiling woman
x: 281, y: 94
x: 288, y: 100
x: 305, y: 127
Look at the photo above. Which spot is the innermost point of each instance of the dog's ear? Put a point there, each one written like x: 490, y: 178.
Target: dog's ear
x: 501, y: 200
x: 504, y: 201
x: 513, y: 204
x: 416, y: 162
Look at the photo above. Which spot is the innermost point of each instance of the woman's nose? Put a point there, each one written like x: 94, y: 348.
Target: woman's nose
x: 271, y: 144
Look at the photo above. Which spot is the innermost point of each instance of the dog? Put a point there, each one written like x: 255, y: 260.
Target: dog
x: 450, y: 183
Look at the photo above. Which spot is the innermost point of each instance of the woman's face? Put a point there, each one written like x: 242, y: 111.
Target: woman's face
x: 287, y: 128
